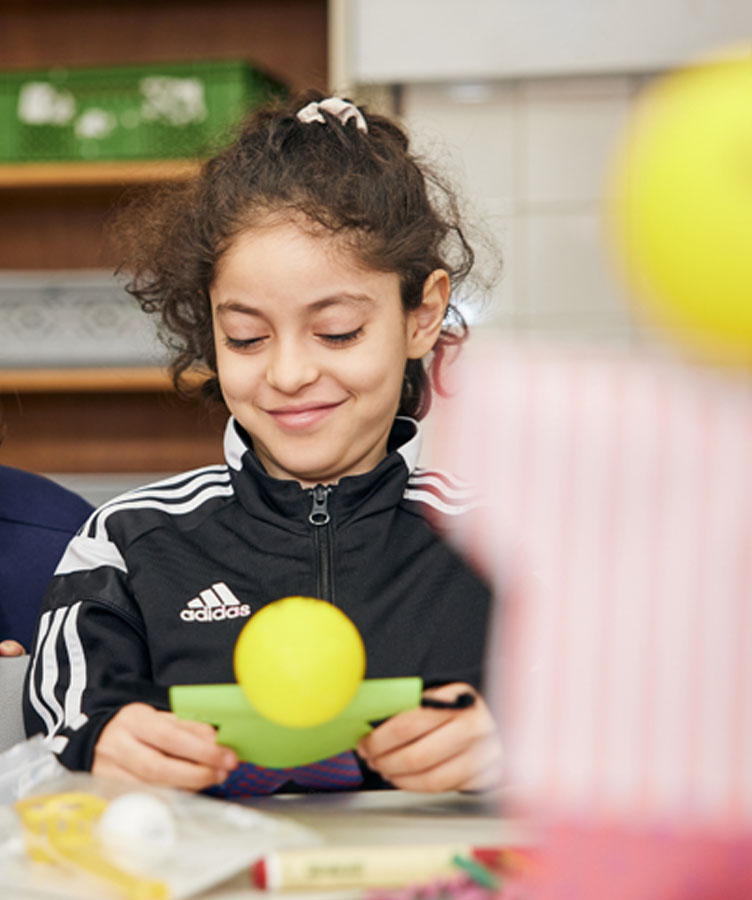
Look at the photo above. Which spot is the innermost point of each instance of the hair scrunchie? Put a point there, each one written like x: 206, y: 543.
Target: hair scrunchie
x: 336, y: 106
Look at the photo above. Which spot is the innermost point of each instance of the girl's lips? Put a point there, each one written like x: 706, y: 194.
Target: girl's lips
x: 303, y: 417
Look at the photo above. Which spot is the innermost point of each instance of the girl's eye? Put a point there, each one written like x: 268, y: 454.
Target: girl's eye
x: 242, y: 343
x: 345, y: 338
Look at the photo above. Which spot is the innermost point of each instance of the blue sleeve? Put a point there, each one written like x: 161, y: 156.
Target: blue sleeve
x: 37, y: 519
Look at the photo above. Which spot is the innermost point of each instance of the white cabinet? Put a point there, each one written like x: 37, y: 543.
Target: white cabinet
x: 400, y: 41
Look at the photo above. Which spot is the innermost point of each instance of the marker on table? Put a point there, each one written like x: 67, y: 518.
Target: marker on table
x: 461, y: 701
x: 327, y: 867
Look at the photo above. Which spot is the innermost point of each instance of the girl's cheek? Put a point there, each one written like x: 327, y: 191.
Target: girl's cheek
x: 233, y: 376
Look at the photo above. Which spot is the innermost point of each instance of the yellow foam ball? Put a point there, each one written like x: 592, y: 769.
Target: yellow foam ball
x: 299, y: 661
x: 681, y: 207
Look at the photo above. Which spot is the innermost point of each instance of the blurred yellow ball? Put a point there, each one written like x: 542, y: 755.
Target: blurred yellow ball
x: 681, y: 207
x: 299, y: 661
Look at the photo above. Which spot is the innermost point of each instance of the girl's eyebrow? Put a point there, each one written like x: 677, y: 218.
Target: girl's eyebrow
x: 344, y: 299
x: 316, y: 306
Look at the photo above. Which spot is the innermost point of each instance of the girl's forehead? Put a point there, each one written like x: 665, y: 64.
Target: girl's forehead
x: 292, y: 229
x: 295, y: 258
x: 289, y: 221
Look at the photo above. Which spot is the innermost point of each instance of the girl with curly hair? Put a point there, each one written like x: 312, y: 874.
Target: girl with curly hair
x: 308, y: 276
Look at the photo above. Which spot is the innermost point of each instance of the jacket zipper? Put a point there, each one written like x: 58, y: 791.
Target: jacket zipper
x: 320, y: 518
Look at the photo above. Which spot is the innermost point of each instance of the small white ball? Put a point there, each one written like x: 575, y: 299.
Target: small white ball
x: 137, y: 830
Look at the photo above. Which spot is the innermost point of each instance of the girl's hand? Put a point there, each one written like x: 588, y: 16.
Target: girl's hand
x: 437, y: 749
x: 11, y: 648
x: 141, y: 743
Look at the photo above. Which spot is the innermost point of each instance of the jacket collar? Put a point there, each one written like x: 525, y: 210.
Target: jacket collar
x: 287, y: 504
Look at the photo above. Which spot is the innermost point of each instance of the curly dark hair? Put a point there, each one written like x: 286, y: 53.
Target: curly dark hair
x: 393, y: 211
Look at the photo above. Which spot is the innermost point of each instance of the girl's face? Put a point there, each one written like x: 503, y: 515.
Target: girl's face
x: 311, y: 349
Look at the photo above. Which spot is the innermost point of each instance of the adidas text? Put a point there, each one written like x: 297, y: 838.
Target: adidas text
x: 215, y: 604
x: 215, y: 615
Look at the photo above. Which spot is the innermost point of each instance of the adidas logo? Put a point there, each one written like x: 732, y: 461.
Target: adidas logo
x: 215, y: 604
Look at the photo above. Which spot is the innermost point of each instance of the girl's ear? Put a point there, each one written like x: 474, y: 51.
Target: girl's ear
x: 424, y: 323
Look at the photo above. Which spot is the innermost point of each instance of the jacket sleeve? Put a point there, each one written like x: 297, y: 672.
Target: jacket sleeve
x: 460, y: 645
x: 90, y: 654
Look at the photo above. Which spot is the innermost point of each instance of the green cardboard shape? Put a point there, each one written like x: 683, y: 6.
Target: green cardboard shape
x: 261, y: 741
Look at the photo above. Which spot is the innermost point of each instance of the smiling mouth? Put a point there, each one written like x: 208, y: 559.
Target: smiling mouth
x: 304, y: 416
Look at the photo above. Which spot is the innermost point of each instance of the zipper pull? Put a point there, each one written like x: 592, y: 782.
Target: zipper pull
x: 319, y: 514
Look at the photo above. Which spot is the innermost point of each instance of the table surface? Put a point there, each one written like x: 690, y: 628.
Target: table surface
x: 381, y: 818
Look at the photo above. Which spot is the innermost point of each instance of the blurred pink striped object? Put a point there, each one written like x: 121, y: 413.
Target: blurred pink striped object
x: 618, y: 527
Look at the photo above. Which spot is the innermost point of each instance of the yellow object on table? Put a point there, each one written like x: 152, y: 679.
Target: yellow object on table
x: 61, y: 829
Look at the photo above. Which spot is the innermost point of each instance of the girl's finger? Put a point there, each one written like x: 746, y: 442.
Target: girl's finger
x: 11, y: 648
x: 201, y: 729
x: 133, y: 760
x: 402, y: 730
x: 431, y: 748
x: 108, y: 768
x: 475, y: 768
x: 418, y: 724
x: 176, y: 738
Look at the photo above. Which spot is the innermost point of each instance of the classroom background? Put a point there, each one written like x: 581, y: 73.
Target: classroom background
x: 520, y: 101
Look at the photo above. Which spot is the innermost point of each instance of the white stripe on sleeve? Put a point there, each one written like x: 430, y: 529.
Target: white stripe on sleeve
x: 74, y: 718
x: 50, y: 670
x: 39, y: 707
x: 451, y: 491
x: 85, y: 553
x: 424, y: 496
x: 220, y: 490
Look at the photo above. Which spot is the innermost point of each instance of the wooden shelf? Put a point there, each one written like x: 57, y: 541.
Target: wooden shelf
x: 84, y: 380
x: 115, y: 420
x: 286, y: 38
x: 58, y: 216
x: 82, y: 174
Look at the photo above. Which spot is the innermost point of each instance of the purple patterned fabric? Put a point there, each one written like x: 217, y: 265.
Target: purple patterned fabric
x: 336, y: 773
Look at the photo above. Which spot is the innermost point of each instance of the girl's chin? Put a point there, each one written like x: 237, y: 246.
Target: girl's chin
x: 300, y: 470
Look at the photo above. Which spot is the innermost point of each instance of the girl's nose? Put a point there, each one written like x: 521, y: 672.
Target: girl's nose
x: 290, y: 367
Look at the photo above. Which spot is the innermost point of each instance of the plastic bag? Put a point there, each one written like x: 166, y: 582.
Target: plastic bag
x: 25, y: 765
x: 208, y: 840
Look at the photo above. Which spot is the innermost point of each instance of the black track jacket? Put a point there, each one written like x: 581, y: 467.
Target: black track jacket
x: 158, y: 583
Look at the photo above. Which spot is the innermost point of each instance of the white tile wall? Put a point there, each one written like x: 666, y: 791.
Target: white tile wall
x: 532, y: 155
x: 476, y: 126
x: 471, y: 132
x: 569, y: 129
x: 569, y: 284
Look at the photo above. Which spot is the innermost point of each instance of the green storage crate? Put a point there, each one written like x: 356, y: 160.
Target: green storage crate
x: 158, y: 111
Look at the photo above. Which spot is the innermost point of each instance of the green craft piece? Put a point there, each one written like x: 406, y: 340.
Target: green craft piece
x: 258, y: 740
